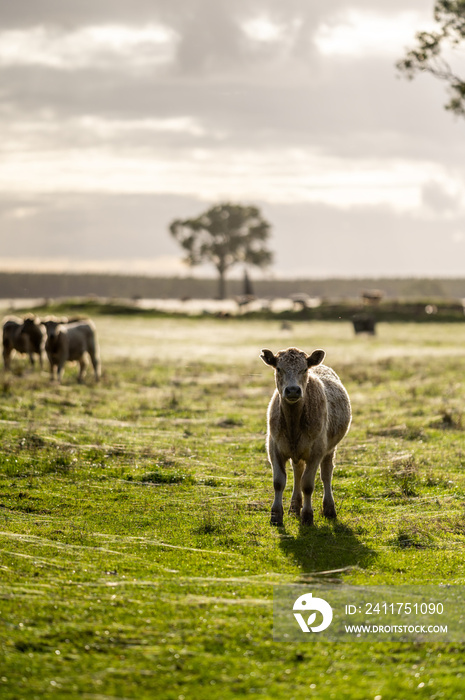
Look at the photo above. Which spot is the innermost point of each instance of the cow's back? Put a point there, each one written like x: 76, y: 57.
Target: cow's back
x: 11, y: 326
x: 338, y: 402
x: 81, y: 338
x: 12, y: 337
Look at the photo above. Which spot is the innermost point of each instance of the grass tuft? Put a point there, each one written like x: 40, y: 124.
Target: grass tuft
x: 404, y: 473
x: 160, y: 476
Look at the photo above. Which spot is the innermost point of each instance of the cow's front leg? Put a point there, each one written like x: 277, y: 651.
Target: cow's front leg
x: 60, y: 370
x: 308, y: 485
x: 279, y: 482
x: 296, y: 498
x: 52, y: 363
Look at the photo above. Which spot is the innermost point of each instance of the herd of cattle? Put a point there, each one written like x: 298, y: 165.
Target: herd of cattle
x: 60, y: 340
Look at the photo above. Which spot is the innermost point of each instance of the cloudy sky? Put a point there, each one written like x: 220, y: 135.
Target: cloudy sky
x: 118, y: 116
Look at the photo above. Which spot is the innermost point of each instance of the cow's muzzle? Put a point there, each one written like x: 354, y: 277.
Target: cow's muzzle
x: 292, y: 393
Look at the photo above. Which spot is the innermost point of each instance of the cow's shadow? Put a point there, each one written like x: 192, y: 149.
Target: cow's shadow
x: 326, y: 548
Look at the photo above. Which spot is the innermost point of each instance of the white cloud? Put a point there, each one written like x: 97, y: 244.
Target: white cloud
x: 89, y: 46
x: 263, y: 29
x: 117, y: 127
x: 163, y: 265
x: 266, y: 30
x: 49, y: 135
x: 358, y: 33
x: 443, y: 197
x: 280, y: 175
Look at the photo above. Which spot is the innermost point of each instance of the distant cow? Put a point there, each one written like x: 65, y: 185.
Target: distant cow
x: 25, y: 336
x: 372, y: 297
x: 71, y: 341
x: 364, y: 323
x: 36, y: 332
x: 308, y: 416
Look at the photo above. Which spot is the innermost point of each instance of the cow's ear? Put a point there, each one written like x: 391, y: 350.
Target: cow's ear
x: 316, y: 358
x: 268, y: 357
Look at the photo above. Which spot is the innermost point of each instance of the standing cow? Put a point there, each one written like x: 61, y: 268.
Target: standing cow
x: 67, y: 342
x: 364, y: 323
x: 24, y: 336
x: 308, y: 416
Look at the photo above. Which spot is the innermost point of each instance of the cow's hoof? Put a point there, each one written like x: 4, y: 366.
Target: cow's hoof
x: 276, y: 520
x: 329, y: 512
x: 307, y: 518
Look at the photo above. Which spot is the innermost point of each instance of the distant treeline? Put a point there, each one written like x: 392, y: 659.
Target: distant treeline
x: 55, y: 285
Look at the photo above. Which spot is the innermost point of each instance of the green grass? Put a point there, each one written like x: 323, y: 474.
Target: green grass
x: 136, y: 555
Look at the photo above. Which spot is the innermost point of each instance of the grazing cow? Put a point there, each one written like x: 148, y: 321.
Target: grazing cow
x: 71, y: 341
x: 308, y: 415
x: 25, y: 336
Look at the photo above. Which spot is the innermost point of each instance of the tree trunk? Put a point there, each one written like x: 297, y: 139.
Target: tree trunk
x: 221, y: 284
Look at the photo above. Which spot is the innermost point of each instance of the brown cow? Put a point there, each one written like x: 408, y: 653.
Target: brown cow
x: 308, y: 416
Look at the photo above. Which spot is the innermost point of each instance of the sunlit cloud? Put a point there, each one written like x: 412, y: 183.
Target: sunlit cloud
x: 358, y: 33
x: 90, y: 46
x: 45, y: 131
x: 279, y: 176
x: 263, y: 29
x: 116, y: 127
x: 162, y: 266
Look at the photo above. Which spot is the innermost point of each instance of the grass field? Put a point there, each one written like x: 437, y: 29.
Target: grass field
x: 136, y: 555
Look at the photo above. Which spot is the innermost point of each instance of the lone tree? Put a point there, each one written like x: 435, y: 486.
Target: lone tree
x: 429, y: 54
x: 225, y: 235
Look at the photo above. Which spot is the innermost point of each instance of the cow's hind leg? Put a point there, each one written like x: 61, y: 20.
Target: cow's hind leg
x: 97, y: 368
x: 82, y: 368
x: 6, y: 356
x: 296, y: 498
x: 327, y: 466
x: 308, y: 485
x: 94, y: 354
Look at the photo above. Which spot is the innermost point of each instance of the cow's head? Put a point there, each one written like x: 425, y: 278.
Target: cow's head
x: 32, y: 325
x: 291, y: 370
x: 27, y: 325
x: 52, y: 327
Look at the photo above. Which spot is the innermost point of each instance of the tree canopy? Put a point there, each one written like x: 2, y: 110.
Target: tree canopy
x: 225, y: 235
x: 436, y: 49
